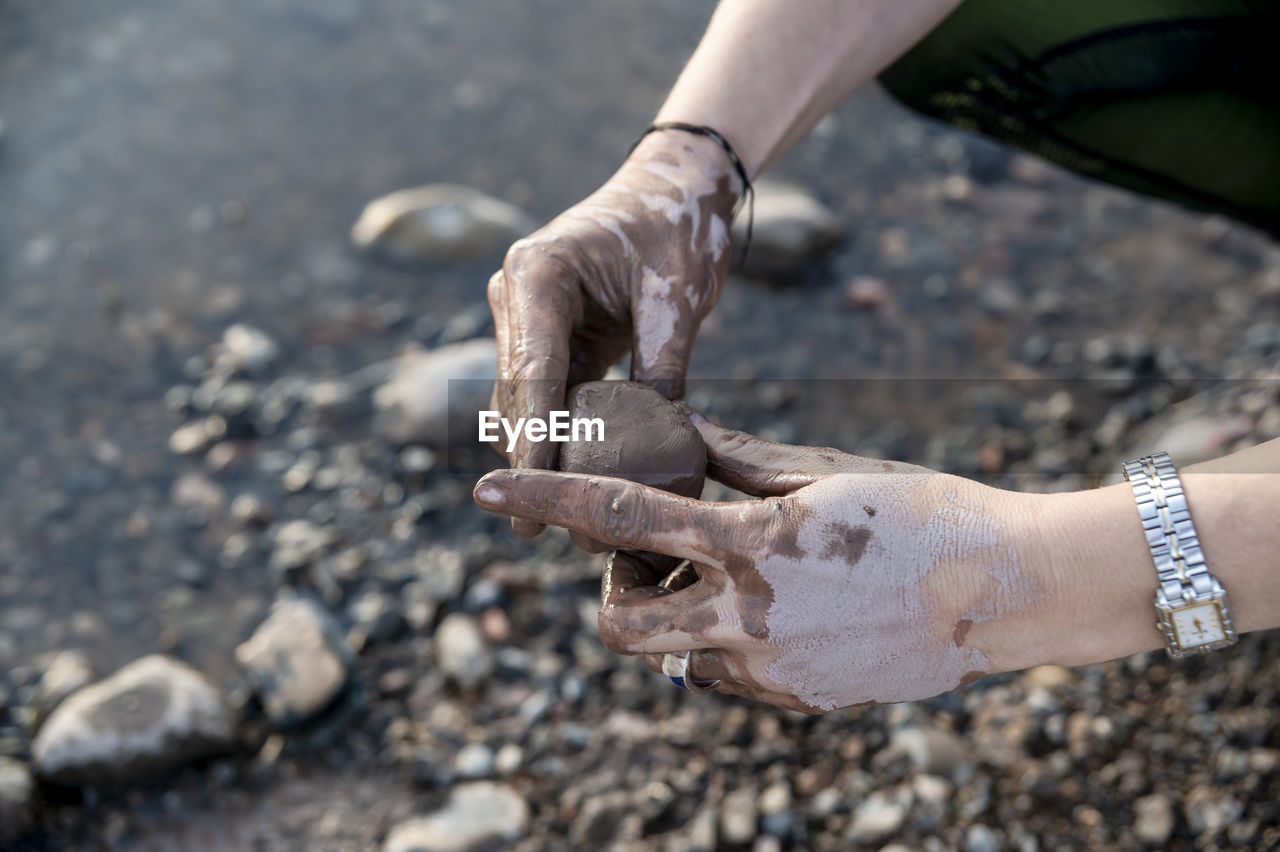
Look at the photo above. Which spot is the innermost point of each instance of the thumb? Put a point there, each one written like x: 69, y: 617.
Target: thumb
x: 758, y: 467
x: 665, y: 321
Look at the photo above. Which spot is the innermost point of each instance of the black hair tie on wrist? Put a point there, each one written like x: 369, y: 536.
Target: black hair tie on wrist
x: 748, y: 192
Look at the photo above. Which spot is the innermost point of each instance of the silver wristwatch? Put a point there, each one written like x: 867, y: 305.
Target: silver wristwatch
x: 1191, y: 606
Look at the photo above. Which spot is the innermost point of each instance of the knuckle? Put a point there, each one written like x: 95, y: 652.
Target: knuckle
x: 497, y: 288
x: 611, y: 635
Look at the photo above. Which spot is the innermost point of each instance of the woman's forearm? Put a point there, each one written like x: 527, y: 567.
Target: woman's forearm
x: 1101, y: 580
x: 767, y: 70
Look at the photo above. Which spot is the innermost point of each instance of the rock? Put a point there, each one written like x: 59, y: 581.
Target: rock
x: 297, y: 661
x: 875, y: 818
x: 601, y: 820
x: 775, y: 809
x: 247, y: 349
x: 199, y: 435
x: 738, y: 816
x: 980, y: 838
x: 1188, y: 433
x: 790, y: 228
x: 932, y: 750
x: 377, y: 618
x: 440, y: 222
x: 480, y: 814
x: 433, y: 397
x: 1048, y: 677
x: 250, y: 510
x: 461, y: 650
x: 17, y: 799
x: 1153, y: 818
x: 867, y: 293
x: 154, y: 714
x: 66, y: 673
x: 199, y: 494
x: 474, y: 760
x: 298, y: 544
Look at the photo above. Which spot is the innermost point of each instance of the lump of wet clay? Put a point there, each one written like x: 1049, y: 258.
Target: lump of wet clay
x: 647, y: 439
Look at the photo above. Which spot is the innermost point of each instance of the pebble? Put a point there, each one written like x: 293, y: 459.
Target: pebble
x: 432, y: 397
x: 875, y: 818
x: 1153, y: 818
x: 17, y: 799
x: 377, y: 618
x: 474, y: 760
x: 738, y: 816
x: 154, y: 714
x: 247, y: 349
x: 602, y: 820
x: 197, y: 436
x: 298, y: 544
x: 250, y: 510
x: 479, y: 814
x: 790, y: 228
x: 297, y: 661
x: 980, y: 838
x: 440, y: 222
x: 1188, y: 435
x: 508, y: 759
x: 867, y: 293
x: 66, y: 673
x: 932, y: 750
x: 461, y: 651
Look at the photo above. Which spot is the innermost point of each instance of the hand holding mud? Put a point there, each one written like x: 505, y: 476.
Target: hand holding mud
x: 849, y: 580
x: 634, y: 267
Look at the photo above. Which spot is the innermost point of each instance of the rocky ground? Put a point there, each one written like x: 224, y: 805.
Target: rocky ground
x: 245, y: 601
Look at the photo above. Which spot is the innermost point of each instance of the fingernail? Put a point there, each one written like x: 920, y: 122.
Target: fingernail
x: 487, y: 492
x: 697, y: 419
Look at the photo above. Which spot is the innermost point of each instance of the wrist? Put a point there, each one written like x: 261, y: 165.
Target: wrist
x: 681, y: 149
x: 1072, y: 578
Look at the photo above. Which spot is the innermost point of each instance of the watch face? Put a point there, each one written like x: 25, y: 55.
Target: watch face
x: 1199, y: 625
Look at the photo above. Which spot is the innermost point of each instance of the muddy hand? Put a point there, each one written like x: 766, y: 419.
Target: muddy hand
x: 849, y: 580
x: 635, y: 267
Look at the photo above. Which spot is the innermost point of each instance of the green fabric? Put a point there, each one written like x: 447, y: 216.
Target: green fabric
x: 1174, y: 98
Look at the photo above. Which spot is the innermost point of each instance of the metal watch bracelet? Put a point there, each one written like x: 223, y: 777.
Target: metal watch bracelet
x: 1191, y: 605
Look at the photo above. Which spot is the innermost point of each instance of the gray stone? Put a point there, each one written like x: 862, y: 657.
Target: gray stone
x: 602, y: 820
x: 440, y: 222
x: 461, y: 650
x: 932, y: 750
x: 478, y: 814
x: 790, y: 228
x: 199, y: 435
x: 1153, y: 818
x: 17, y: 793
x: 247, y: 349
x: 875, y: 818
x: 297, y: 544
x: 980, y: 838
x: 152, y: 715
x: 66, y: 673
x: 297, y: 660
x: 473, y: 760
x: 377, y: 618
x: 432, y: 397
x: 738, y: 816
x: 1189, y: 433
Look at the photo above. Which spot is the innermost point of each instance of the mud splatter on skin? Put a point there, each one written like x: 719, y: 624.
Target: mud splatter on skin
x: 634, y: 267
x: 849, y: 609
x: 846, y: 541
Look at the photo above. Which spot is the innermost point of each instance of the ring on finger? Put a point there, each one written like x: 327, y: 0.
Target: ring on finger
x: 676, y: 668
